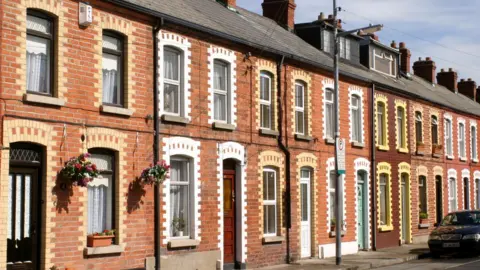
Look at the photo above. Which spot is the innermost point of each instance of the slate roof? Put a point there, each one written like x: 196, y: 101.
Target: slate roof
x: 263, y: 33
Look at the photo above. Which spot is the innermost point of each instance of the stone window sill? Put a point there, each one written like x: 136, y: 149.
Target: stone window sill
x: 403, y: 150
x: 183, y: 243
x: 329, y: 141
x: 333, y: 233
x: 463, y: 159
x: 424, y: 226
x: 112, y: 249
x: 273, y: 239
x: 419, y: 153
x: 174, y: 119
x: 53, y: 101
x: 386, y: 228
x: 475, y: 160
x: 383, y: 147
x: 301, y: 137
x: 436, y: 156
x: 358, y: 145
x: 116, y: 110
x: 223, y: 126
x: 268, y: 132
x: 449, y: 157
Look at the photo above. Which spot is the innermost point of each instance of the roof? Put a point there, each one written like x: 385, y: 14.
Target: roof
x: 254, y: 30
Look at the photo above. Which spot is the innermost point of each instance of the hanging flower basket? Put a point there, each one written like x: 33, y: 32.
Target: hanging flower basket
x: 155, y: 174
x: 80, y: 170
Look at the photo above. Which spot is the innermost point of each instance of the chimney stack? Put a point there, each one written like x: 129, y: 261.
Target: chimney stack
x: 393, y: 44
x: 477, y: 98
x: 468, y: 88
x: 329, y: 20
x: 371, y: 35
x: 423, y: 68
x: 448, y: 79
x: 405, y: 56
x: 229, y: 3
x: 281, y: 11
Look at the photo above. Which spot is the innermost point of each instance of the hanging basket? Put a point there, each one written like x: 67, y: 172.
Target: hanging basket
x: 80, y: 170
x: 155, y: 174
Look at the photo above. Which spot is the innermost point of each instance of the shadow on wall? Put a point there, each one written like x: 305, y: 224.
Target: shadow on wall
x: 62, y: 191
x: 135, y: 193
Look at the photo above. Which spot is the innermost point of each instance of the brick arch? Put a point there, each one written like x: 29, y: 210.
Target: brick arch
x: 437, y: 170
x: 105, y: 138
x: 422, y: 170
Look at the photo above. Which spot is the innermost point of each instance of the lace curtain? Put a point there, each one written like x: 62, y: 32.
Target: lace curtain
x: 111, y: 80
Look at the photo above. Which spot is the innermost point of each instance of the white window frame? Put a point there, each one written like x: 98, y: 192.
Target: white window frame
x: 226, y: 92
x: 191, y: 215
x: 179, y: 83
x: 462, y: 149
x: 473, y: 141
x: 402, y: 128
x: 345, y: 48
x: 452, y: 200
x: 329, y: 102
x: 264, y: 102
x: 448, y: 123
x: 300, y: 109
x: 359, y: 108
x: 391, y: 58
x: 271, y: 202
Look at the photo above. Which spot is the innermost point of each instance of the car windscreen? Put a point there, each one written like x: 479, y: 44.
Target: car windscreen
x: 461, y: 218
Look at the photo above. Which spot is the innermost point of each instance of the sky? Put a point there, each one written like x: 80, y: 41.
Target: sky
x: 442, y: 29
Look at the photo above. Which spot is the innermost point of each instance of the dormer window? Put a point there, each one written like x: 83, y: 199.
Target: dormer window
x: 384, y: 63
x: 345, y: 48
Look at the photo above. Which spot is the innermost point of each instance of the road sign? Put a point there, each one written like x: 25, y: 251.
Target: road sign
x: 340, y: 156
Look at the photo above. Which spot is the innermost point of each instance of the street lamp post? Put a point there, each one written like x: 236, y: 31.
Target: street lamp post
x: 338, y: 143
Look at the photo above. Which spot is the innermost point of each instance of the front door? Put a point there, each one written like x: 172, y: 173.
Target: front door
x: 438, y: 189
x: 229, y: 217
x: 404, y: 193
x: 23, y: 219
x: 360, y: 213
x: 306, y: 247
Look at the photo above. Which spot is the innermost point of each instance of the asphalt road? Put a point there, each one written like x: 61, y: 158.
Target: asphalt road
x: 457, y: 263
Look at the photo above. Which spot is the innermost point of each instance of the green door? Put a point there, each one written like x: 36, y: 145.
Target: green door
x: 360, y: 215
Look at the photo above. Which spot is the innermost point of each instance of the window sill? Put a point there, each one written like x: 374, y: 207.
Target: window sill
x: 383, y: 148
x: 358, y: 145
x: 268, y: 132
x: 463, y: 159
x: 436, y: 156
x: 112, y: 249
x: 329, y: 141
x: 53, y: 101
x: 386, y: 228
x: 183, y: 243
x: 116, y: 110
x: 174, y: 119
x: 424, y: 226
x: 333, y: 233
x: 223, y: 126
x: 301, y: 137
x: 403, y: 150
x: 273, y: 239
x: 449, y: 157
x: 474, y: 160
x: 419, y: 153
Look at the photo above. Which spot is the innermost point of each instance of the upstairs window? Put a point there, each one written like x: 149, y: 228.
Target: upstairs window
x: 345, y: 48
x: 266, y: 100
x: 385, y: 63
x: 221, y: 90
x: 434, y: 126
x: 401, y: 127
x: 328, y: 44
x: 300, y: 115
x: 356, y: 118
x: 448, y: 137
x: 381, y: 124
x: 112, y: 69
x: 418, y: 127
x: 329, y: 114
x: 172, y: 77
x: 461, y: 140
x: 40, y: 48
x: 473, y: 142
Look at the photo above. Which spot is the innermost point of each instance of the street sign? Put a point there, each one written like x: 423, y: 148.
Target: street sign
x: 340, y: 156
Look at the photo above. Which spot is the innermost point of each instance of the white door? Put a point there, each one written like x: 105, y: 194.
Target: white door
x: 305, y: 203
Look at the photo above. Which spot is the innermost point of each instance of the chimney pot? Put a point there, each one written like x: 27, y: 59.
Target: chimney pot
x: 442, y: 70
x: 425, y: 69
x: 393, y: 44
x: 321, y: 17
x: 229, y: 3
x: 450, y: 69
x: 462, y: 80
x: 283, y: 12
x: 428, y: 58
x: 405, y: 56
x: 469, y: 79
x: 402, y: 45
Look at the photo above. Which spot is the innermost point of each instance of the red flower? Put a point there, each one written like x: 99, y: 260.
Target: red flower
x: 78, y: 166
x: 94, y: 167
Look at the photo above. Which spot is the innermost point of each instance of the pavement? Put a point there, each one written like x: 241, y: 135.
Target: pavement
x: 363, y: 259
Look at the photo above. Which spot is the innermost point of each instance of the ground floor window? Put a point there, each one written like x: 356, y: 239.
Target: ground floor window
x: 269, y: 202
x: 452, y: 194
x: 180, y: 197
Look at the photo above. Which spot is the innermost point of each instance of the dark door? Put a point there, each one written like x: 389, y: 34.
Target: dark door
x: 229, y: 216
x: 23, y: 219
x: 466, y: 194
x: 438, y: 188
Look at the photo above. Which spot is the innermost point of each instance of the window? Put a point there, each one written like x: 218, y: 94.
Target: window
x: 172, y: 77
x: 40, y: 48
x: 422, y: 194
x: 384, y: 197
x: 473, y: 142
x: 448, y: 136
x: 345, y: 48
x: 477, y: 193
x: 385, y: 63
x: 401, y: 127
x: 381, y: 136
x: 418, y: 127
x: 328, y: 44
x: 461, y: 140
x: 300, y: 102
x: 356, y: 118
x: 221, y: 91
x: 112, y: 66
x: 181, y: 193
x: 101, y: 201
x: 331, y: 194
x: 329, y: 113
x: 466, y: 193
x: 269, y: 202
x: 434, y: 130
x: 452, y: 194
x: 266, y: 114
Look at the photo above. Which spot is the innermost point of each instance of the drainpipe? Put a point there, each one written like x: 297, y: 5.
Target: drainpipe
x: 156, y: 139
x: 285, y: 150
x: 373, y: 171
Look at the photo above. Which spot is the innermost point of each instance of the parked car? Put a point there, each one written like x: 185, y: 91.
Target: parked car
x: 458, y: 232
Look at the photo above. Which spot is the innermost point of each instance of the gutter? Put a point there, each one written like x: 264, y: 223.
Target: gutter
x: 285, y: 150
x: 156, y: 139
x: 373, y: 171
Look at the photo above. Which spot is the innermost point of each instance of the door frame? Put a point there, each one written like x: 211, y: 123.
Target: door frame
x: 308, y: 181
x: 438, y: 181
x: 366, y: 222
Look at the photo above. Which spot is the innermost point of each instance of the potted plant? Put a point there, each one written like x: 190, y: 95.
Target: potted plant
x: 80, y: 170
x: 423, y: 218
x: 333, y: 224
x: 178, y: 225
x: 420, y: 148
x: 155, y: 174
x: 101, y: 239
x: 437, y: 149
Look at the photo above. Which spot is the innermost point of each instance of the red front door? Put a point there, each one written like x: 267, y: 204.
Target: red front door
x: 229, y: 216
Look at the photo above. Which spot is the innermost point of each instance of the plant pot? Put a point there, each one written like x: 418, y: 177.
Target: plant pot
x: 423, y: 221
x: 99, y: 241
x: 437, y: 150
x: 180, y: 233
x: 332, y: 228
x: 421, y: 148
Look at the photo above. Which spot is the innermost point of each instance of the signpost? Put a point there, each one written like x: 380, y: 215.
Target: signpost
x: 340, y: 156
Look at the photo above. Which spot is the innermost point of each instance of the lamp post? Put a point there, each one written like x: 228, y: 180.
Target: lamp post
x: 340, y: 144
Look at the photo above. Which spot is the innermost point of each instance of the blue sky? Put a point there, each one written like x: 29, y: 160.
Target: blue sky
x: 442, y: 29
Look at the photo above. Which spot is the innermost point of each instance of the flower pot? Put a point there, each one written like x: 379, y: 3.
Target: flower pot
x: 180, y: 233
x: 332, y: 228
x: 437, y: 150
x: 423, y: 221
x: 99, y: 240
x: 421, y: 148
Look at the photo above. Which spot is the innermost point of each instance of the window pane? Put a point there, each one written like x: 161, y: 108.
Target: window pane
x: 265, y: 116
x: 102, y: 161
x: 422, y: 190
x: 333, y: 180
x: 179, y: 209
x: 305, y: 173
x: 333, y: 205
x: 38, y: 64
x: 400, y: 126
x: 220, y: 76
x: 179, y: 171
x: 304, y: 196
x: 380, y: 121
x: 39, y: 24
x: 299, y: 96
x: 111, y: 78
x: 171, y: 98
x: 97, y: 209
x: 299, y: 121
x: 265, y: 88
x: 383, y: 200
x: 111, y: 43
x: 329, y: 95
x: 329, y: 118
x: 434, y: 130
x: 418, y: 127
x: 356, y: 126
x: 269, y: 218
x: 269, y: 185
x: 170, y: 64
x: 220, y: 107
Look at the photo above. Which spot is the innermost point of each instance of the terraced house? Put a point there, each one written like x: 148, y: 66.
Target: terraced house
x: 240, y: 105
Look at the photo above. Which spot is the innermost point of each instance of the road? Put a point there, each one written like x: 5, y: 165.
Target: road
x: 453, y: 263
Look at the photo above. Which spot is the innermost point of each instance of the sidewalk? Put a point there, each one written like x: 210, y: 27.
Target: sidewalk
x: 363, y: 259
